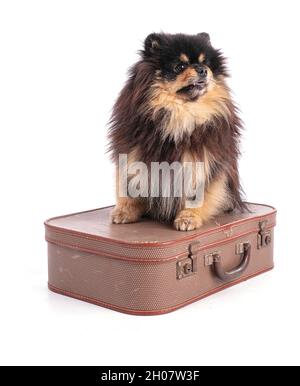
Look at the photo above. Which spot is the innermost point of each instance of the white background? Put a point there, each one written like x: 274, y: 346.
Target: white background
x: 62, y: 65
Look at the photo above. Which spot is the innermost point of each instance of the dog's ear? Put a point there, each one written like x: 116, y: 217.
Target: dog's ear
x: 152, y: 44
x: 205, y: 37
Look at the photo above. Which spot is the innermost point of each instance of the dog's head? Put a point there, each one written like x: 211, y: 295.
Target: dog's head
x: 185, y: 65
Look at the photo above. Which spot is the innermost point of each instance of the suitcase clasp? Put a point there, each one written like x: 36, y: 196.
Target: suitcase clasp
x: 264, y: 235
x: 211, y: 258
x: 188, y: 266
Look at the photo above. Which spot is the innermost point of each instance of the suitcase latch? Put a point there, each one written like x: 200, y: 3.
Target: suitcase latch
x: 213, y: 257
x: 264, y: 235
x: 188, y: 266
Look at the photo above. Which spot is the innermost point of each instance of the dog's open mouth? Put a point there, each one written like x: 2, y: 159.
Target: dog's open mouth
x: 191, y: 88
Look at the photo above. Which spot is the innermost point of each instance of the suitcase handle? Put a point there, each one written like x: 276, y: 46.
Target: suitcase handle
x: 245, y: 250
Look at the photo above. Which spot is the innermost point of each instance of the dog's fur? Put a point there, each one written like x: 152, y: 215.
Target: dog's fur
x: 176, y: 106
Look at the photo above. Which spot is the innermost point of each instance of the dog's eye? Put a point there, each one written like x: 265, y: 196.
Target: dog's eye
x: 179, y: 68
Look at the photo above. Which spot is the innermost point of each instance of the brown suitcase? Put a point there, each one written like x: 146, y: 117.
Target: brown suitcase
x: 149, y: 268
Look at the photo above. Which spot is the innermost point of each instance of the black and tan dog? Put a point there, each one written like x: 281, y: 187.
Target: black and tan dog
x: 176, y: 106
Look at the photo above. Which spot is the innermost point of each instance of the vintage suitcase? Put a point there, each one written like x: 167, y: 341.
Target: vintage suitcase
x: 149, y: 268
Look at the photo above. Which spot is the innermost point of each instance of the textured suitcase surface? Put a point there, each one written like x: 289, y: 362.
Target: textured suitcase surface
x: 149, y: 268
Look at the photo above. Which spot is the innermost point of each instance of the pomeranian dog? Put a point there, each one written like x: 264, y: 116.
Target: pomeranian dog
x: 176, y: 106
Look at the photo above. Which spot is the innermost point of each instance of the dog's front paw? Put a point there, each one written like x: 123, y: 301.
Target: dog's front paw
x: 187, y: 221
x: 124, y: 215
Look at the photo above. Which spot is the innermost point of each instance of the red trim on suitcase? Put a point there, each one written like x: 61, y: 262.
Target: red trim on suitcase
x: 150, y: 244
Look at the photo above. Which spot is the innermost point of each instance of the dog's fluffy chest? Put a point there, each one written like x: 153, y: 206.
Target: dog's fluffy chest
x: 181, y: 117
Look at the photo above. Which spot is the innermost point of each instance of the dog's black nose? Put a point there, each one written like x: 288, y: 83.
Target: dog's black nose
x: 202, y: 71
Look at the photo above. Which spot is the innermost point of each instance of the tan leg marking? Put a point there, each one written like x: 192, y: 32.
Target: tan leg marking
x: 215, y: 200
x: 127, y: 209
